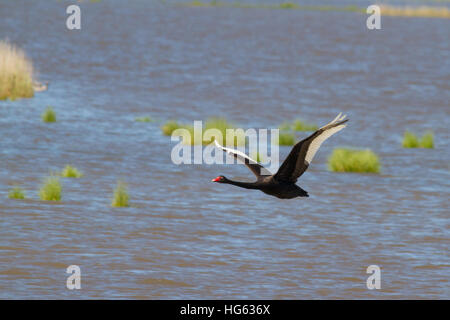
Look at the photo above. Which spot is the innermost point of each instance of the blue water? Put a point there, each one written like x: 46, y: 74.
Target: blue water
x: 183, y: 236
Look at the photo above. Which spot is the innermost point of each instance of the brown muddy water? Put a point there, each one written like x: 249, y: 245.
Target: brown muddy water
x: 185, y: 237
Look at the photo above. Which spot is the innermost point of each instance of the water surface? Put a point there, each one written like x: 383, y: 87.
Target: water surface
x: 185, y: 237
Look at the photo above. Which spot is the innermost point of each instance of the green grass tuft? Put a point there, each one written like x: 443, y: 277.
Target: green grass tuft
x: 286, y: 139
x: 16, y: 193
x: 289, y: 5
x: 427, y: 141
x: 16, y: 73
x: 170, y: 127
x: 51, y: 189
x: 49, y: 115
x: 143, y: 119
x: 71, y: 172
x: 197, y: 3
x: 348, y: 160
x: 286, y: 126
x: 121, y: 197
x: 300, y: 125
x: 220, y: 124
x: 410, y: 140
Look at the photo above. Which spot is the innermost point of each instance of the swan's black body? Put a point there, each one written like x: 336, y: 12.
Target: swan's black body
x: 282, y: 184
x: 269, y: 185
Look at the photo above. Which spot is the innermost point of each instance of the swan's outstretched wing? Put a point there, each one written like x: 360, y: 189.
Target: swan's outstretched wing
x: 253, y: 165
x: 303, y: 152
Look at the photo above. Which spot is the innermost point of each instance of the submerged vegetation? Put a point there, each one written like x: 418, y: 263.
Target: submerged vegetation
x: 16, y: 193
x: 143, y: 119
x: 287, y: 129
x: 219, y: 124
x: 427, y: 141
x: 16, y: 73
x: 169, y: 127
x: 286, y: 139
x: 51, y: 189
x: 348, y: 160
x: 49, y: 115
x: 71, y: 172
x: 288, y: 5
x: 121, y: 197
x: 235, y: 137
x: 410, y: 140
x: 298, y: 125
x: 222, y: 125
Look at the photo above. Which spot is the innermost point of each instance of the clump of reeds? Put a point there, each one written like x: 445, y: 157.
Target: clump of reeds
x: 289, y: 5
x: 427, y: 140
x: 298, y: 125
x: 220, y: 124
x: 71, y: 172
x: 16, y: 193
x: 51, y: 189
x: 197, y: 3
x: 143, y: 119
x: 286, y: 126
x: 16, y: 73
x: 212, y: 3
x: 410, y: 140
x: 348, y: 160
x: 169, y: 127
x: 287, y: 129
x: 286, y: 139
x: 418, y: 11
x: 49, y: 115
x: 121, y: 197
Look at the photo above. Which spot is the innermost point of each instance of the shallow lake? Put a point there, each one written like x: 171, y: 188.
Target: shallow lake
x: 183, y: 236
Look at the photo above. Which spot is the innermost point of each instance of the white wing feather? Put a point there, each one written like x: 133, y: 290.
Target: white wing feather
x: 240, y: 155
x: 337, y: 119
x: 315, y: 145
x: 317, y: 142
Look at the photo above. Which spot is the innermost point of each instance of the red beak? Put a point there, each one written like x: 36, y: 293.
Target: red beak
x: 216, y: 179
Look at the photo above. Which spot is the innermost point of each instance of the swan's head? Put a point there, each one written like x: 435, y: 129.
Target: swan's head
x: 221, y: 179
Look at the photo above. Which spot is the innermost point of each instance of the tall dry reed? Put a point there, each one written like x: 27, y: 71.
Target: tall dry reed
x: 16, y: 72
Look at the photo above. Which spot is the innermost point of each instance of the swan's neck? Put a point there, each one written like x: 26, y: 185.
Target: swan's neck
x: 246, y: 185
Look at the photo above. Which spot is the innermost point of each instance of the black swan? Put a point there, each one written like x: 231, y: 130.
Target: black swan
x: 282, y: 184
